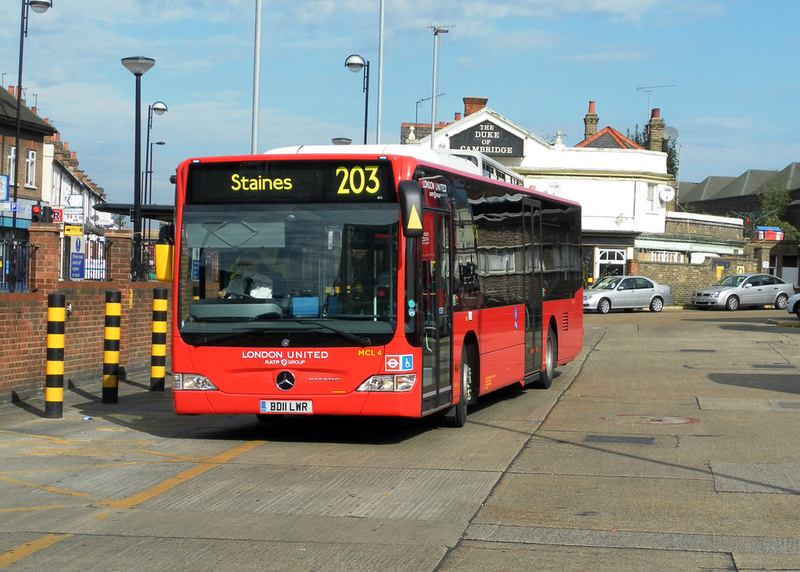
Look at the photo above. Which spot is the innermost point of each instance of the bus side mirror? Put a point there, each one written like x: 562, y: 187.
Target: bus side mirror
x: 410, y: 196
x: 164, y: 252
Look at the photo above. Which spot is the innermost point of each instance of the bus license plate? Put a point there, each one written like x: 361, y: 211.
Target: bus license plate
x: 285, y: 406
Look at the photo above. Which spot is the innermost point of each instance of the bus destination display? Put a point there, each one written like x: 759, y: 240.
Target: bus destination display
x: 289, y: 181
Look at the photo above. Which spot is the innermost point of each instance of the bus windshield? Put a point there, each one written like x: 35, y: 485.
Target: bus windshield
x: 322, y: 274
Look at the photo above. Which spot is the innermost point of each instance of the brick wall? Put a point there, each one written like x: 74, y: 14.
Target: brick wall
x: 695, y: 227
x: 23, y: 321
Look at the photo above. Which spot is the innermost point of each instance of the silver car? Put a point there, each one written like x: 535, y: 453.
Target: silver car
x: 626, y: 293
x: 793, y: 305
x: 737, y: 290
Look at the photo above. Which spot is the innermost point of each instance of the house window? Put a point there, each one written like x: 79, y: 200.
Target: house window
x: 12, y: 175
x: 652, y: 196
x: 30, y: 169
x: 609, y: 262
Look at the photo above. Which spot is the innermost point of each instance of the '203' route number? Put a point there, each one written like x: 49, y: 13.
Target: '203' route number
x: 357, y: 180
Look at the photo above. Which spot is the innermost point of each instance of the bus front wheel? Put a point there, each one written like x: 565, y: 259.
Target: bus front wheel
x: 456, y: 416
x: 550, y: 360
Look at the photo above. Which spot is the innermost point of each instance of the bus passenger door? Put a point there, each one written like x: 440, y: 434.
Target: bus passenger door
x: 437, y: 307
x: 533, y: 286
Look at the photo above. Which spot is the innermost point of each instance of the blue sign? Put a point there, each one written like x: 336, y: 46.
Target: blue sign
x: 77, y: 265
x: 399, y: 363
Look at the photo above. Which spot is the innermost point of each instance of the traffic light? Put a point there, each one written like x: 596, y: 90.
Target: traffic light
x: 40, y: 213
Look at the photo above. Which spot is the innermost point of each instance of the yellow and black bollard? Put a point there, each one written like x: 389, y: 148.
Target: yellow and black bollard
x: 54, y: 382
x: 111, y: 346
x: 158, y: 352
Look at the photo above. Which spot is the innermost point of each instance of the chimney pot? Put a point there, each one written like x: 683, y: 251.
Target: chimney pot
x: 591, y: 107
x: 458, y: 116
x: 473, y: 104
x: 656, y: 113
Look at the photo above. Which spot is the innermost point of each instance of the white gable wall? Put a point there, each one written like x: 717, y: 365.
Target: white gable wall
x: 619, y: 189
x: 608, y: 205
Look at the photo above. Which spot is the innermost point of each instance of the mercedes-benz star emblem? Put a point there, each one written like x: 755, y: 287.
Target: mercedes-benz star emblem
x: 285, y: 380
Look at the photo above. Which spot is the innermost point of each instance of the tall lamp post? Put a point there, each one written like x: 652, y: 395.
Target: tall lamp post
x: 148, y: 175
x: 38, y: 6
x: 159, y: 108
x: 355, y: 63
x: 137, y: 65
x: 436, y: 31
x: 149, y: 195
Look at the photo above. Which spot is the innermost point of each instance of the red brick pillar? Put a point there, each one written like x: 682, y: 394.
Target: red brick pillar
x: 119, y: 243
x: 45, y: 256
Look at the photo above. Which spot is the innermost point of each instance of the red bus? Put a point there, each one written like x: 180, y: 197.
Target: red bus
x: 396, y: 281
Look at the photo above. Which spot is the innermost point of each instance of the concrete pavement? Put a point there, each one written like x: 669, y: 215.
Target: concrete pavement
x: 674, y: 448
x: 671, y: 444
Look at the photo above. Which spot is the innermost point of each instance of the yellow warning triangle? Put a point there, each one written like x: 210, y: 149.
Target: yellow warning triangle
x: 413, y: 220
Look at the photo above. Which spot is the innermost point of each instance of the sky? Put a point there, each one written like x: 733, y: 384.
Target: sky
x: 722, y: 72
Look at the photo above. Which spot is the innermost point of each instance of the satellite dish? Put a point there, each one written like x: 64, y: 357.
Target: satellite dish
x: 667, y: 194
x: 670, y: 134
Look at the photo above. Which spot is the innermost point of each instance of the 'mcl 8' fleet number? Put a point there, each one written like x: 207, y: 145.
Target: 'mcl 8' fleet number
x: 357, y: 180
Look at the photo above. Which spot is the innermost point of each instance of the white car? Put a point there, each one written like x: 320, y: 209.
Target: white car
x: 739, y: 290
x: 626, y: 293
x: 793, y: 305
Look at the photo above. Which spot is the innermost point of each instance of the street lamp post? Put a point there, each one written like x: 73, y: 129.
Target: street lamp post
x: 436, y: 31
x: 148, y: 172
x: 355, y: 63
x: 149, y: 196
x: 38, y: 6
x: 159, y: 108
x: 137, y: 65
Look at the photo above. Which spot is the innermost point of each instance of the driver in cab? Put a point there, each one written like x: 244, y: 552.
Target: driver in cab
x: 249, y: 279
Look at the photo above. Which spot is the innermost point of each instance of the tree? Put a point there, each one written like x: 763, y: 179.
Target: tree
x: 775, y: 202
x: 642, y: 139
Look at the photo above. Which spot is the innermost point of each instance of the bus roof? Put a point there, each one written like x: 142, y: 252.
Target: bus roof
x: 424, y: 154
x: 455, y: 159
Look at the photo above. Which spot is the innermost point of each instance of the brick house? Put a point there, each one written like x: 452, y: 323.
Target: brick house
x: 34, y: 133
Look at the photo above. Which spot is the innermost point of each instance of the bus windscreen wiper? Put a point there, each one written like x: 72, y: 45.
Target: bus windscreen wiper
x: 362, y: 341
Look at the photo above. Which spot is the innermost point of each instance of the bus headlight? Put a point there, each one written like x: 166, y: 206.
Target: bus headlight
x: 192, y: 381
x: 403, y: 382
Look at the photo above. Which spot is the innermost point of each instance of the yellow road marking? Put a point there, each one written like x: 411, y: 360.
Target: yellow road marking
x: 17, y: 553
x: 176, y: 459
x: 31, y: 508
x: 180, y: 478
x: 43, y: 488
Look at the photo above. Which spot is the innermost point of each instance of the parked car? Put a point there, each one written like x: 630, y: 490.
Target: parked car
x: 737, y: 290
x: 626, y: 293
x: 793, y: 305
